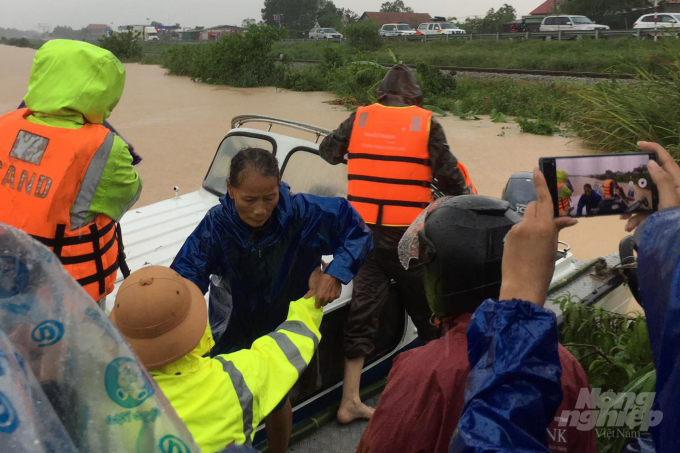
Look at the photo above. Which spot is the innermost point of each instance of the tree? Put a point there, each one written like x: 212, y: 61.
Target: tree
x: 492, y: 22
x: 66, y: 32
x: 616, y: 13
x: 298, y: 16
x: 248, y: 22
x: 155, y: 24
x: 397, y: 6
x: 123, y: 45
x: 328, y: 15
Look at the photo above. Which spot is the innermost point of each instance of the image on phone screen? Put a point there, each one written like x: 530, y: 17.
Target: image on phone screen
x: 601, y: 185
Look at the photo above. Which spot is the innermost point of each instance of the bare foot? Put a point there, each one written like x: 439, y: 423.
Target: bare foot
x: 354, y: 410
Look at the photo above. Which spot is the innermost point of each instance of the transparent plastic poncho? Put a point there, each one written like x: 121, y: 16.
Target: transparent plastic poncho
x: 409, y: 245
x: 68, y: 380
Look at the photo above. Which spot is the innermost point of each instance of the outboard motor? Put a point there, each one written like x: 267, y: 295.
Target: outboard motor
x: 520, y: 191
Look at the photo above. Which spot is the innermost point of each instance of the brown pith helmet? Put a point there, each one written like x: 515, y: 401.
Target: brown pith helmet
x: 162, y: 315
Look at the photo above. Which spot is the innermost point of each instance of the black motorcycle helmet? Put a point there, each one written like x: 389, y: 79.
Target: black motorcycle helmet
x: 462, y: 250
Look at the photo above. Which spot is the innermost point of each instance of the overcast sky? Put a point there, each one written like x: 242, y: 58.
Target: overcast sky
x: 27, y: 14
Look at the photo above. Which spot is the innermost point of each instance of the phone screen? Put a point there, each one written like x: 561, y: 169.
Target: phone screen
x: 601, y: 185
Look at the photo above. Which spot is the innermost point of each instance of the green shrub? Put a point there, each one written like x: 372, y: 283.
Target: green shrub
x: 21, y: 42
x: 363, y: 35
x: 614, y: 351
x: 538, y: 127
x: 125, y: 46
x: 237, y: 60
x: 434, y: 82
x: 359, y: 80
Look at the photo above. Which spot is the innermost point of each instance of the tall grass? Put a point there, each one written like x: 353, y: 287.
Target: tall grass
x: 589, y: 55
x: 613, y: 117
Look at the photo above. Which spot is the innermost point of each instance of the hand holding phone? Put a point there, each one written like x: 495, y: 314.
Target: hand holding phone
x: 597, y: 185
x: 666, y: 176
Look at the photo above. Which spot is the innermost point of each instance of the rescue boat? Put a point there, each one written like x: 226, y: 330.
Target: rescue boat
x: 154, y: 234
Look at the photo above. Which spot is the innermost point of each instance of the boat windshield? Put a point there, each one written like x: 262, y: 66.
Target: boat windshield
x: 216, y: 179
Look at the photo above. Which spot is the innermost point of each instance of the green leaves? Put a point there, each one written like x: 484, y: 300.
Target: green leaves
x: 498, y: 117
x: 613, y: 349
x: 538, y: 127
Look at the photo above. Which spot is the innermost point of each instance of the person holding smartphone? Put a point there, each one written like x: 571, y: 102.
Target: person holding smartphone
x: 484, y: 425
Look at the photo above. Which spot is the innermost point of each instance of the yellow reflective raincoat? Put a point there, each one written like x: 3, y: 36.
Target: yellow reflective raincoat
x: 222, y: 400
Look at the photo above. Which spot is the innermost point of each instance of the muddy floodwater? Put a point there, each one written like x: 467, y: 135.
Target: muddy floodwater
x: 176, y: 125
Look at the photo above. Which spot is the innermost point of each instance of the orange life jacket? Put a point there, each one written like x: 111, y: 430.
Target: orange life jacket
x: 608, y: 188
x: 388, y: 167
x: 468, y: 181
x: 48, y: 179
x: 564, y: 204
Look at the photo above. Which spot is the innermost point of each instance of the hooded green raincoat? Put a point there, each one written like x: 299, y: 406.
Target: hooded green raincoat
x: 73, y: 83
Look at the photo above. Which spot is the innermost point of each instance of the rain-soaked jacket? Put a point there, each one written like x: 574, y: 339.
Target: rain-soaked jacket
x: 68, y: 380
x: 73, y: 83
x: 222, y: 400
x: 265, y: 275
x: 510, y: 342
x: 399, y: 89
x: 518, y: 340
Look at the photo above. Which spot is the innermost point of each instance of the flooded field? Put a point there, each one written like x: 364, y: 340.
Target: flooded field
x: 176, y: 125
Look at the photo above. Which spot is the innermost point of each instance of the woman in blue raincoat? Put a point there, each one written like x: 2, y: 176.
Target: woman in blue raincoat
x: 261, y: 243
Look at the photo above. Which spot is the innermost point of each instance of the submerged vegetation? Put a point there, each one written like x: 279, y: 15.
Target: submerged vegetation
x: 610, y: 115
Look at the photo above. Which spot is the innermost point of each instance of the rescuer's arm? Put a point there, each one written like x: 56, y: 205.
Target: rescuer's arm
x: 445, y: 169
x: 334, y: 147
x: 119, y: 187
x: 274, y: 362
x: 339, y: 230
x: 196, y: 260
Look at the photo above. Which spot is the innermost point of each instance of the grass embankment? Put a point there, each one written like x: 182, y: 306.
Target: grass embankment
x: 588, y: 55
x: 609, y: 116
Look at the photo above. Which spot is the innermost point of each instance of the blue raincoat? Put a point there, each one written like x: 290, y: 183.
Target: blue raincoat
x: 514, y: 388
x: 514, y: 385
x: 264, y: 276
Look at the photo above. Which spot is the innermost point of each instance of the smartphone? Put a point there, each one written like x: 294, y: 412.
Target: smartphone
x: 597, y: 185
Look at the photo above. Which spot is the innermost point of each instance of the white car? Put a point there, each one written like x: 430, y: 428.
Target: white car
x: 570, y: 23
x: 397, y: 30
x: 439, y: 28
x: 324, y: 33
x: 665, y: 20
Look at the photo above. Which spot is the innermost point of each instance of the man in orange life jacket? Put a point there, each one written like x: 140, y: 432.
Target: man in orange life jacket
x: 64, y: 178
x: 394, y: 151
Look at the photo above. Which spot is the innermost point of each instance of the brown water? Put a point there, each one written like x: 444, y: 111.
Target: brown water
x: 176, y: 125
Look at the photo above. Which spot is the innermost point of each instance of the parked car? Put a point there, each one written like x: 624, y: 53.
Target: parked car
x: 665, y: 20
x: 324, y: 33
x: 439, y: 28
x: 570, y: 23
x: 396, y: 30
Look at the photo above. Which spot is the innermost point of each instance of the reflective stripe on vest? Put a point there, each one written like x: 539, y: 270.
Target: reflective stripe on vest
x: 48, y: 178
x: 608, y: 192
x: 563, y: 204
x: 388, y: 164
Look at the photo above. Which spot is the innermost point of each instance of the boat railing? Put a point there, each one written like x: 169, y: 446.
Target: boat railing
x: 240, y: 120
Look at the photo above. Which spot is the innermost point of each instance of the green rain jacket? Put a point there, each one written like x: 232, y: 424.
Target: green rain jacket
x: 73, y: 83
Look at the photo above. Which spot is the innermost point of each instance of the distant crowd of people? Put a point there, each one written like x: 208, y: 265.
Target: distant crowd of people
x: 491, y: 376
